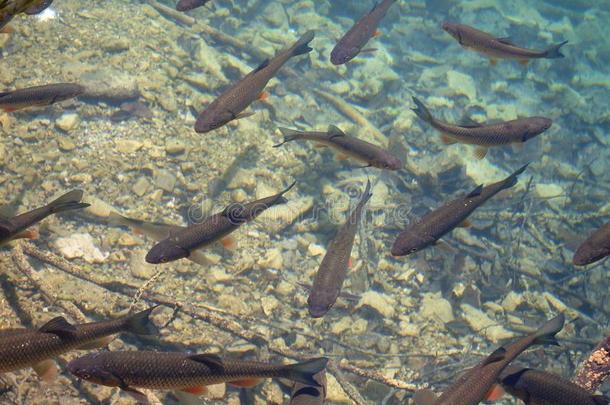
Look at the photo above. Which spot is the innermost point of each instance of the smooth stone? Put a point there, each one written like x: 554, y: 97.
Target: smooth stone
x: 141, y: 186
x: 67, y: 122
x: 128, y: 145
x: 165, y: 180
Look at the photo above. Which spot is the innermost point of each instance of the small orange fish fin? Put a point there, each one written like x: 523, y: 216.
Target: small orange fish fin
x: 7, y: 30
x: 447, y: 140
x: 495, y: 393
x: 465, y: 224
x: 480, y: 152
x: 9, y: 109
x: 264, y: 96
x: 524, y: 62
x: 243, y: 115
x: 196, y: 390
x: 493, y: 62
x: 342, y: 156
x: 350, y: 262
x: 27, y: 234
x: 229, y: 242
x: 46, y: 370
x: 246, y: 382
x: 97, y: 343
x: 376, y: 34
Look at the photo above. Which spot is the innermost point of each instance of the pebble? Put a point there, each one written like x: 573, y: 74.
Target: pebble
x: 174, y: 146
x: 67, y: 122
x: 479, y: 322
x: 128, y: 145
x: 462, y: 84
x: 141, y: 186
x: 382, y: 303
x: 434, y: 306
x: 80, y: 245
x: 138, y: 267
x: 165, y: 180
x: 65, y: 144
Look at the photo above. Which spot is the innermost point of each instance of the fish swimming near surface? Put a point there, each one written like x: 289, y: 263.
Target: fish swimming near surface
x: 355, y: 39
x: 308, y: 394
x: 498, y: 48
x: 484, y: 136
x: 434, y: 225
x: 231, y: 104
x: 595, y: 248
x: 37, y: 6
x: 476, y: 384
x: 537, y: 387
x: 332, y: 272
x: 345, y: 145
x: 21, y: 348
x: 186, y: 5
x: 39, y: 96
x: 16, y: 227
x: 183, y: 372
x: 183, y: 242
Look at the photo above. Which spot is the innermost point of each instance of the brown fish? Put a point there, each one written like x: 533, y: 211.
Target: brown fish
x: 329, y: 279
x: 371, y: 155
x: 475, y: 384
x: 183, y: 242
x: 39, y: 96
x: 595, y: 248
x: 186, y: 5
x: 356, y: 38
x: 308, y: 394
x: 434, y: 225
x: 485, y: 136
x: 498, y: 48
x: 21, y: 348
x: 15, y: 227
x: 182, y: 371
x: 37, y: 6
x: 537, y: 387
x: 231, y: 104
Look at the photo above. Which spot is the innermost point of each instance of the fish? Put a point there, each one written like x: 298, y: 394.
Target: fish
x: 39, y: 96
x: 133, y: 370
x: 21, y: 348
x: 434, y: 225
x: 181, y: 243
x: 333, y: 270
x: 231, y: 104
x: 37, y: 6
x: 498, y: 48
x: 351, y: 44
x: 187, y: 5
x: 594, y: 248
x: 15, y: 227
x: 484, y: 136
x: 372, y: 155
x: 476, y: 384
x: 308, y: 394
x: 537, y: 387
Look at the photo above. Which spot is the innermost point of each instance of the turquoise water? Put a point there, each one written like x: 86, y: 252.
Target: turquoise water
x: 419, y: 320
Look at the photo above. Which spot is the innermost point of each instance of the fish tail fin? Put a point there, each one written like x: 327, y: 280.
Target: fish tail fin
x: 304, y: 372
x: 421, y: 110
x: 512, y: 179
x: 140, y: 323
x: 289, y: 135
x: 554, y: 51
x: 545, y: 335
x: 68, y: 201
x: 302, y: 45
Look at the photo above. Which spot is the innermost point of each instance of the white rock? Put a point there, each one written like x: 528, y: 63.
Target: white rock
x: 479, y: 322
x: 80, y: 245
x: 67, y: 122
x: 462, y: 84
x: 434, y: 306
x: 384, y: 304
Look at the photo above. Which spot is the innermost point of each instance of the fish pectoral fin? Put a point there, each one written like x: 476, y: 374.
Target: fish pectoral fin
x: 97, y: 343
x: 264, y: 96
x: 211, y: 360
x: 465, y: 224
x: 6, y: 30
x: 228, y: 242
x: 495, y: 393
x: 334, y: 130
x: 9, y: 109
x: 195, y: 390
x: 27, y: 234
x: 424, y: 397
x: 447, y: 140
x: 58, y: 326
x: 480, y: 152
x: 46, y: 370
x: 497, y: 355
x: 377, y: 34
x: 505, y: 40
x: 137, y: 395
x: 246, y: 382
x: 243, y: 115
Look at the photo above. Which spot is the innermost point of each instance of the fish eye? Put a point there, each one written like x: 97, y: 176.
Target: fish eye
x: 413, y: 250
x: 164, y: 259
x: 85, y: 375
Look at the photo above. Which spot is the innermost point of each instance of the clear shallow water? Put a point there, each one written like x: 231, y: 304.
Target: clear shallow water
x: 413, y: 311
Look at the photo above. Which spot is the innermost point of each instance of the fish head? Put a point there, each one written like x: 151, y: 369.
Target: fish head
x: 319, y: 304
x: 453, y: 29
x: 342, y: 54
x: 88, y: 369
x: 166, y: 251
x: 535, y: 126
x: 587, y: 254
x: 408, y: 243
x: 212, y: 119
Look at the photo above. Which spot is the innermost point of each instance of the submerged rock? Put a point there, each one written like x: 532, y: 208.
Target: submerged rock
x: 80, y: 246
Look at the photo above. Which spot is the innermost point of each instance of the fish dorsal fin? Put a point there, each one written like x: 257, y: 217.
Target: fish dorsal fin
x: 468, y: 122
x: 498, y: 355
x: 58, y: 326
x: 213, y: 361
x: 335, y: 131
x: 476, y: 192
x: 505, y: 40
x: 262, y: 66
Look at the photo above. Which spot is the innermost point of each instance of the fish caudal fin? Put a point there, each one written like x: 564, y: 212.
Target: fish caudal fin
x: 421, y: 110
x: 554, y: 51
x: 302, y: 47
x: 512, y: 179
x: 68, y: 201
x: 304, y: 372
x: 140, y: 323
x: 546, y: 334
x: 289, y: 135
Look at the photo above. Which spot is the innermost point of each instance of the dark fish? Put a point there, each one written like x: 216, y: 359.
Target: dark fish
x: 20, y: 348
x: 537, y: 387
x: 475, y: 384
x: 231, y: 104
x: 356, y: 38
x: 595, y: 248
x: 183, y: 242
x: 186, y: 5
x: 39, y: 96
x: 13, y: 228
x: 335, y: 264
x: 356, y: 148
x: 497, y: 48
x: 182, y: 371
x: 485, y: 136
x: 434, y: 225
x: 308, y: 394
x: 38, y: 6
